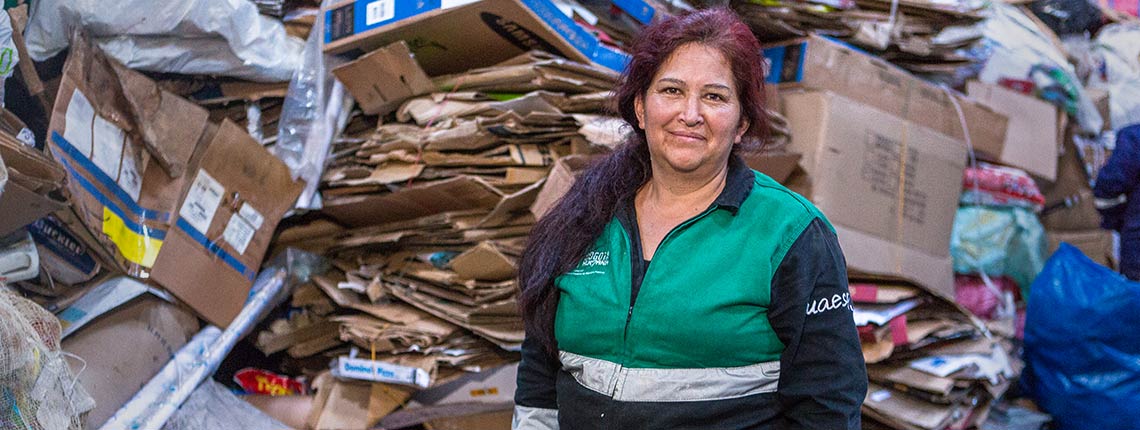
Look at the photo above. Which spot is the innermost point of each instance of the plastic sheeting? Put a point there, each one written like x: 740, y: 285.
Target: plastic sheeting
x: 998, y: 242
x: 8, y: 54
x: 1017, y: 49
x: 1117, y: 52
x: 316, y: 108
x: 1081, y: 349
x: 215, y: 37
x: 212, y: 406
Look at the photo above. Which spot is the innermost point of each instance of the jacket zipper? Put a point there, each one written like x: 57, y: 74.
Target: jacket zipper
x: 629, y: 314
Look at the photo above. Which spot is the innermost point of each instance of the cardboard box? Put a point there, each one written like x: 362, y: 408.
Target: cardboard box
x: 818, y: 63
x: 1069, y: 201
x: 1097, y: 244
x: 382, y: 79
x: 776, y: 166
x: 224, y: 224
x: 205, y: 250
x: 1036, y: 128
x: 452, y: 37
x: 890, y: 187
x: 151, y: 329
x: 29, y: 184
x: 119, y: 192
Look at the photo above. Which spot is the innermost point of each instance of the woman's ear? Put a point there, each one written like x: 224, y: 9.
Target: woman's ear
x: 639, y: 110
x: 744, y: 123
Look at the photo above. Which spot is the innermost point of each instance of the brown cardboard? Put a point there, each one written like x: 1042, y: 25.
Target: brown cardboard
x: 170, y: 126
x: 902, y: 411
x: 1036, y: 128
x: 32, y: 185
x: 384, y: 78
x: 558, y: 183
x: 777, y: 166
x: 499, y: 420
x: 888, y: 222
x: 822, y: 64
x: 121, y: 195
x: 484, y: 262
x: 210, y: 258
x: 1072, y: 185
x: 456, y: 39
x: 151, y: 329
x: 1096, y: 244
x: 454, y: 194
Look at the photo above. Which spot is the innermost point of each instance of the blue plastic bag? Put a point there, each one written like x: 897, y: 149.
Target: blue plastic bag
x: 1082, y: 346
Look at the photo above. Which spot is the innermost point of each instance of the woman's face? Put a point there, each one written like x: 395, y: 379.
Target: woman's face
x: 691, y: 114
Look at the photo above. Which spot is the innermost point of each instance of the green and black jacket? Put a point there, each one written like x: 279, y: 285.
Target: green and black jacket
x: 742, y: 320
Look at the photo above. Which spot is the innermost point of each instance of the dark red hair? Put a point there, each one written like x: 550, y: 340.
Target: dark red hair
x: 561, y: 238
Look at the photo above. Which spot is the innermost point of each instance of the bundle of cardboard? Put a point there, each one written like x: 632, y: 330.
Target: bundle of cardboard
x: 921, y: 36
x: 932, y: 364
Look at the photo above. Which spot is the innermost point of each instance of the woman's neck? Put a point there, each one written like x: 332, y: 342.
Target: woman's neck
x: 683, y: 192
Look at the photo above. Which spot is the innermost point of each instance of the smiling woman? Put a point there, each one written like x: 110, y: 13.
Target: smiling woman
x: 719, y: 300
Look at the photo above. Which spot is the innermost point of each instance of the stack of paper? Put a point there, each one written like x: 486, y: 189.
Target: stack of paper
x: 923, y: 36
x: 932, y: 365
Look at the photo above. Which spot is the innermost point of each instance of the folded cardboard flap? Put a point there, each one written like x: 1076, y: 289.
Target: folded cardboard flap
x: 561, y: 178
x: 1036, y: 128
x: 455, y: 194
x: 21, y: 200
x: 1097, y: 244
x: 382, y: 79
x: 169, y: 125
x: 225, y: 222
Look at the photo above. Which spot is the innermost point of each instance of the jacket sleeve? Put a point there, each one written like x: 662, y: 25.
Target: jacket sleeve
x: 536, y: 399
x: 823, y: 379
x: 1122, y: 172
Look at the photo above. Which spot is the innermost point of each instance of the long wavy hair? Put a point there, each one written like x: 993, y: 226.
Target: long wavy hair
x: 563, y: 237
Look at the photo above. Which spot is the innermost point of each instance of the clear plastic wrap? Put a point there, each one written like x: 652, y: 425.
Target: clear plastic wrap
x: 316, y: 108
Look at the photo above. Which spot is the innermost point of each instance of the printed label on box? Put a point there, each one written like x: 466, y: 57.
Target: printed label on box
x: 251, y: 215
x: 129, y: 177
x: 80, y: 115
x: 202, y: 202
x: 238, y: 233
x: 380, y: 11
x: 107, y: 139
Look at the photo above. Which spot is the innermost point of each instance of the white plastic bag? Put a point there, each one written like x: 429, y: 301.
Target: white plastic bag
x: 223, y: 37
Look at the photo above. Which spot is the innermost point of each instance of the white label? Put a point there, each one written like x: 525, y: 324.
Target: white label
x: 880, y: 396
x: 238, y: 233
x: 202, y: 202
x: 77, y: 130
x: 379, y: 11
x: 251, y: 215
x: 26, y: 137
x: 108, y: 146
x: 129, y: 177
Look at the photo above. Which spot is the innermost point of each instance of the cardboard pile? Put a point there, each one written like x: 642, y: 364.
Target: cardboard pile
x: 158, y: 190
x: 932, y: 365
x: 908, y: 33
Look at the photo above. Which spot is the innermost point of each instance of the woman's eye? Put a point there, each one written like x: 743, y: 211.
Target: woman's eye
x: 716, y: 97
x: 671, y: 90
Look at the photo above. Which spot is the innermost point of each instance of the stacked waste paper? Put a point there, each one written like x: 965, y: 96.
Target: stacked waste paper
x: 932, y: 365
x: 924, y: 37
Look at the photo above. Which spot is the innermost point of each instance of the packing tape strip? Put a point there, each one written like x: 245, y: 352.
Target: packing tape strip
x: 215, y: 249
